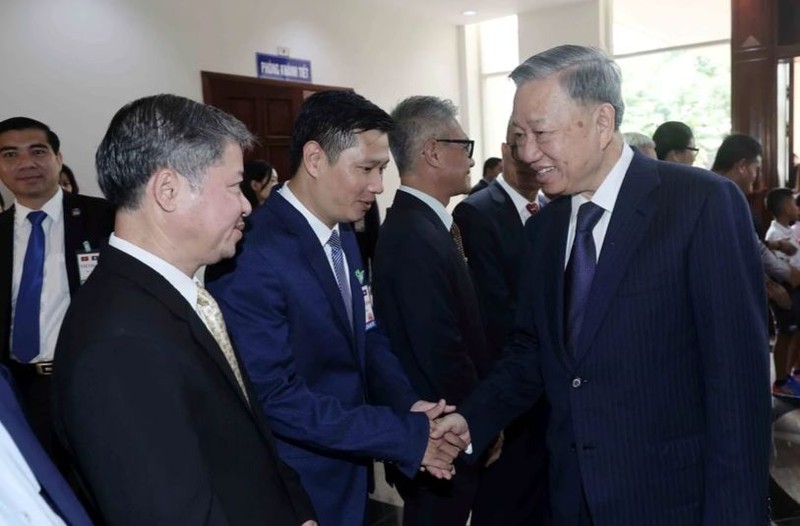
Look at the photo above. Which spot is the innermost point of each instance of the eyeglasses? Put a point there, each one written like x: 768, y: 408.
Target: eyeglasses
x: 695, y: 150
x: 469, y: 145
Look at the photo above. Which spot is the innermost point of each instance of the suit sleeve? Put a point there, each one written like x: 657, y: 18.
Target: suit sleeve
x: 731, y: 328
x: 257, y: 314
x: 488, y: 273
x: 151, y: 455
x: 514, y: 383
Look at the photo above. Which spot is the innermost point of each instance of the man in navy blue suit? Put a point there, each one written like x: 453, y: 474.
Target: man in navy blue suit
x: 299, y: 310
x: 32, y: 490
x: 641, y: 317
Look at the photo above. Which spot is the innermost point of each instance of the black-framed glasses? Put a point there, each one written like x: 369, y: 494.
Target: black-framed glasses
x: 469, y: 145
x: 695, y: 150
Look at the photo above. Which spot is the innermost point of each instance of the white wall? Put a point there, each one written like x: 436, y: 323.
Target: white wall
x: 585, y: 23
x: 73, y: 63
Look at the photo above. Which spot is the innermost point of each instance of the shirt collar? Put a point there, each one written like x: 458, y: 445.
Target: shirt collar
x: 432, y: 203
x: 606, y: 195
x: 519, y: 201
x: 320, y: 229
x: 780, y: 228
x: 54, y: 208
x: 183, y: 283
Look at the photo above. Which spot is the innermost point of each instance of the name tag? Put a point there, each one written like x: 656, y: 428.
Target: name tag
x: 370, y: 314
x: 87, y: 261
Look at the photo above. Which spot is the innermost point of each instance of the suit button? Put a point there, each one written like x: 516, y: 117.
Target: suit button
x: 577, y: 382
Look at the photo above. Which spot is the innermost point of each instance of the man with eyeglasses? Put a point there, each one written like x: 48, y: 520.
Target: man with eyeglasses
x: 423, y: 290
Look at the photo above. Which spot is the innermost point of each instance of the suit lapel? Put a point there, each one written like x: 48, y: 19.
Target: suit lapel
x: 630, y: 220
x: 554, y: 246
x: 350, y: 247
x: 73, y: 232
x: 166, y: 293
x: 314, y: 254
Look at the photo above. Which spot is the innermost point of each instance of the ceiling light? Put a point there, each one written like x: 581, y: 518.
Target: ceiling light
x: 469, y: 13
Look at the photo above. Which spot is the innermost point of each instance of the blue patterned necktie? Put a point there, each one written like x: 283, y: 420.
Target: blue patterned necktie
x: 25, y: 342
x: 337, y: 255
x: 579, y: 273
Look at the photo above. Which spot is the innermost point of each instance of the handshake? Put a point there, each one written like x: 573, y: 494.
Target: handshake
x: 449, y: 436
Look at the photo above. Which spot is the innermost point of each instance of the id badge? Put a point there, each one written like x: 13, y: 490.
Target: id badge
x: 87, y: 261
x: 370, y: 314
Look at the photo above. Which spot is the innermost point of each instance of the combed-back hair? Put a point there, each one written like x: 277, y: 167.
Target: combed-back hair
x: 332, y: 119
x: 671, y: 135
x: 25, y: 123
x: 587, y: 75
x: 158, y: 132
x: 416, y: 120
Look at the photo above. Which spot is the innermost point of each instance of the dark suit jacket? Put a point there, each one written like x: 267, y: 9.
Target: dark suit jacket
x: 480, y: 185
x: 86, y: 219
x: 60, y: 496
x: 152, y: 416
x: 494, y: 243
x: 425, y: 296
x: 314, y: 373
x: 663, y: 416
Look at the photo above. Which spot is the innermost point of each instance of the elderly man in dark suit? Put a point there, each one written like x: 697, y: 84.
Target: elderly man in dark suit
x: 150, y: 398
x: 52, y: 239
x: 641, y: 316
x: 513, y: 490
x: 423, y: 290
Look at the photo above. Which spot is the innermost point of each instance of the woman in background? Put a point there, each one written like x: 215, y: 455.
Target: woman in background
x: 259, y: 178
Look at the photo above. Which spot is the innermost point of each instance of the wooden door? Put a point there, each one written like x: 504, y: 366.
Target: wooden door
x: 267, y: 107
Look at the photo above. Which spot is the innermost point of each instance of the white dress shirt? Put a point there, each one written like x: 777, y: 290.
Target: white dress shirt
x: 433, y: 203
x: 520, y: 202
x: 55, y: 285
x: 606, y: 198
x: 185, y: 285
x: 777, y: 232
x: 21, y: 503
x: 320, y: 229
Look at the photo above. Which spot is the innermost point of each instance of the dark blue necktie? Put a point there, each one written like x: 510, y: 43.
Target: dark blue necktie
x: 337, y: 255
x: 580, y: 272
x: 25, y: 343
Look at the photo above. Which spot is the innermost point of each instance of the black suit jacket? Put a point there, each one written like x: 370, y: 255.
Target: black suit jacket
x: 424, y: 294
x: 480, y: 185
x: 494, y: 243
x: 152, y: 416
x: 86, y: 219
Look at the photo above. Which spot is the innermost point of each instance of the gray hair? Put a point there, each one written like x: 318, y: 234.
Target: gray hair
x: 588, y: 75
x: 638, y: 140
x: 418, y: 119
x: 163, y: 131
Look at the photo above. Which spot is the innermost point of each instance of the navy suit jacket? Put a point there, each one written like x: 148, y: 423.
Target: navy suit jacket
x: 315, y: 374
x: 59, y: 493
x: 663, y: 415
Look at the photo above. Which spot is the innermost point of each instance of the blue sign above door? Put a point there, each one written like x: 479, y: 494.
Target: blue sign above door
x: 282, y: 68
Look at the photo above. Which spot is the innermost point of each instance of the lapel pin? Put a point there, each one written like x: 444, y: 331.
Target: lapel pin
x: 360, y: 275
x: 76, y: 212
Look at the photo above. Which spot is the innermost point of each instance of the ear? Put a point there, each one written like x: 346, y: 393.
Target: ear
x: 431, y: 153
x: 314, y: 158
x: 166, y: 186
x: 60, y: 161
x: 255, y: 186
x: 741, y: 166
x: 604, y: 122
x: 505, y: 150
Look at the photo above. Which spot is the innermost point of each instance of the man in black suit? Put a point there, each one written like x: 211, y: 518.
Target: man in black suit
x: 513, y: 490
x: 423, y: 291
x: 150, y: 399
x: 73, y: 227
x: 492, y: 167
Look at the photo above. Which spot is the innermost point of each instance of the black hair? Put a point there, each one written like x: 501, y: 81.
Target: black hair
x: 254, y: 170
x: 25, y: 123
x: 672, y: 135
x: 775, y: 200
x: 733, y: 149
x: 490, y: 164
x: 66, y: 170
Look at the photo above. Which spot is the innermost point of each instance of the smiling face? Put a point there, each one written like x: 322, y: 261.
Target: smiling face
x: 346, y: 189
x: 564, y: 142
x: 28, y: 166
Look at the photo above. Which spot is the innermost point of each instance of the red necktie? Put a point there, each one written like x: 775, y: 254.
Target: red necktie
x: 532, y: 208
